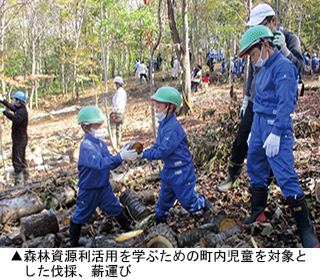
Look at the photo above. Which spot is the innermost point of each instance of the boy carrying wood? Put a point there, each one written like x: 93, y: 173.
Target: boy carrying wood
x: 94, y: 165
x: 178, y: 176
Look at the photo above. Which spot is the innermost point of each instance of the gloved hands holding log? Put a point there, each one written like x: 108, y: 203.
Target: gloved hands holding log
x: 135, y: 146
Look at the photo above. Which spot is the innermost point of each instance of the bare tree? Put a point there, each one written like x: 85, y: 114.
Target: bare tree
x: 182, y: 50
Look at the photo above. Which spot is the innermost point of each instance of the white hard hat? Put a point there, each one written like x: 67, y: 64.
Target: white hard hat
x: 118, y: 80
x: 259, y: 13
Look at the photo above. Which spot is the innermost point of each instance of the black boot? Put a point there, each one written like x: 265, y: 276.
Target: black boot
x: 75, y: 230
x: 208, y: 205
x: 123, y: 221
x: 234, y: 171
x: 299, y: 210
x: 258, y: 201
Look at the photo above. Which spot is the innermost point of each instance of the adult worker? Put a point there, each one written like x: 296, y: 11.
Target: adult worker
x: 175, y: 68
x: 289, y: 45
x: 19, y: 135
x: 271, y: 138
x: 119, y: 102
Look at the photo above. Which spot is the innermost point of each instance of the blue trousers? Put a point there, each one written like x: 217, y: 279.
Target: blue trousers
x: 258, y: 164
x: 179, y: 184
x: 89, y: 199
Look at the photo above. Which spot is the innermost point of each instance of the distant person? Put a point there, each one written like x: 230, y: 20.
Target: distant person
x: 19, y: 135
x: 143, y: 72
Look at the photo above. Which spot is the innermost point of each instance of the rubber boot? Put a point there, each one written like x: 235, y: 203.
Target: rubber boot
x: 208, y: 205
x: 299, y: 210
x: 161, y: 219
x: 259, y: 197
x: 26, y: 175
x: 18, y: 180
x: 123, y: 221
x: 75, y: 230
x: 234, y: 171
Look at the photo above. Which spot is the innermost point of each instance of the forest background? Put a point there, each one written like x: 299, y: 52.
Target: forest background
x: 63, y: 45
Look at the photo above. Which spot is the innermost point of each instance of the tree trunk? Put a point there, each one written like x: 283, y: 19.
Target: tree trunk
x: 182, y: 51
x: 40, y: 224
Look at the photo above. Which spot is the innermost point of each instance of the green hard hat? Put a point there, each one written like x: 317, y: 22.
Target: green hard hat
x: 254, y: 36
x: 91, y: 114
x: 168, y: 95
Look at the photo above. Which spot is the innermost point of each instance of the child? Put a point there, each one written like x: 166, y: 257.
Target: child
x: 94, y: 165
x: 271, y: 138
x: 178, y: 176
x: 206, y: 80
x: 19, y: 135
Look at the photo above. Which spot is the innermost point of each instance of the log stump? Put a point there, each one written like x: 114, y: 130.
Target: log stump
x: 134, y: 206
x: 161, y: 236
x: 40, y: 224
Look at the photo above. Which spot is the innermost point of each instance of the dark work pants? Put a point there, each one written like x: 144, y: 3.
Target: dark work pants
x: 19, y: 161
x: 240, y: 146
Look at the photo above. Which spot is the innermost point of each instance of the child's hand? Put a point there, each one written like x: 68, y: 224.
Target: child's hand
x: 127, y: 154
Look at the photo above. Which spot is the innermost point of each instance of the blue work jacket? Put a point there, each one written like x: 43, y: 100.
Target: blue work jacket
x: 95, y: 163
x: 276, y: 92
x: 171, y: 144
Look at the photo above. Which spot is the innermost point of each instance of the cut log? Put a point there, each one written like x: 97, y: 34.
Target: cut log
x: 212, y: 240
x: 132, y: 239
x: 192, y: 236
x: 15, y: 208
x: 161, y: 236
x: 227, y: 224
x: 134, y: 206
x: 40, y: 224
x: 148, y: 197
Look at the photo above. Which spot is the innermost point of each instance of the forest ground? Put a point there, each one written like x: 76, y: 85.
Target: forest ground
x: 61, y: 133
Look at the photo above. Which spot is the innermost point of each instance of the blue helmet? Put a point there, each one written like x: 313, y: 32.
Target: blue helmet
x: 19, y: 95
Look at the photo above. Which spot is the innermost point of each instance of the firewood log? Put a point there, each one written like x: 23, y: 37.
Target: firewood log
x: 134, y: 206
x: 212, y: 240
x: 40, y: 224
x: 161, y: 236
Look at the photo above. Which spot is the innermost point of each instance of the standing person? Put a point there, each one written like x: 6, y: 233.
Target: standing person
x: 19, y: 135
x: 175, y: 68
x: 206, y: 81
x: 240, y: 67
x: 306, y: 61
x: 164, y: 69
x: 271, y: 139
x: 178, y: 178
x: 94, y: 165
x: 223, y: 65
x: 289, y: 45
x: 196, y: 78
x: 136, y: 70
x: 159, y: 60
x: 119, y: 102
x: 235, y: 67
x: 143, y: 72
x: 314, y: 63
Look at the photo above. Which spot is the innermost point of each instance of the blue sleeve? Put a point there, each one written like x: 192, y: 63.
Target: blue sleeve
x: 168, y: 144
x: 286, y: 86
x: 91, y: 157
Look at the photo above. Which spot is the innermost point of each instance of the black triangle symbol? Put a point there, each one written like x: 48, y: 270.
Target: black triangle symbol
x: 16, y: 257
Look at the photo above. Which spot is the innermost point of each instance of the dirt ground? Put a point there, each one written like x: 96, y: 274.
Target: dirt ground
x: 65, y: 134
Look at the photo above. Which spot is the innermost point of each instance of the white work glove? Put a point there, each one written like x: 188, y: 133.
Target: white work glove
x: 1, y: 97
x: 129, y: 145
x: 248, y: 140
x: 127, y: 154
x: 272, y: 145
x: 280, y: 41
x: 243, y: 108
